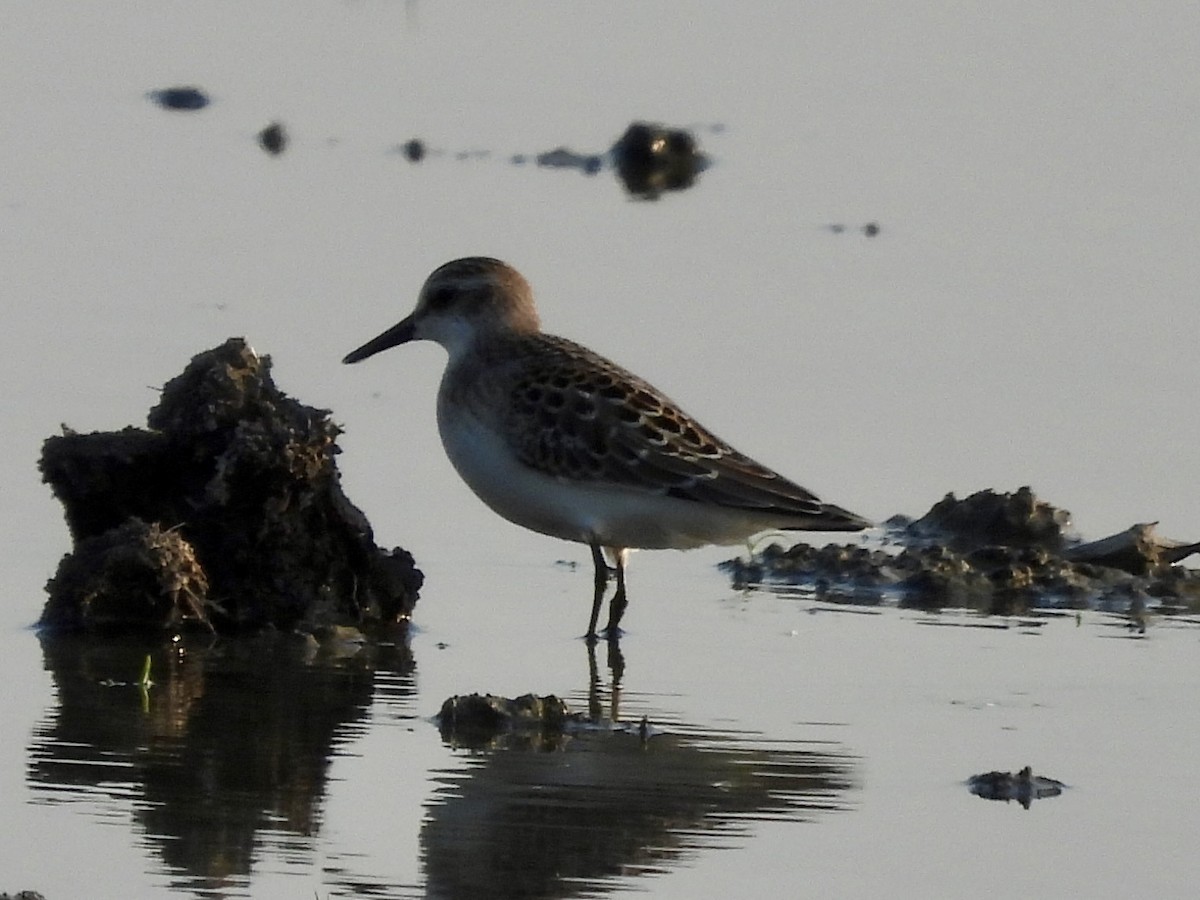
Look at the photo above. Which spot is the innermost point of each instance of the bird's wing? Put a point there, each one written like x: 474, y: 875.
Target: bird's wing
x: 578, y: 416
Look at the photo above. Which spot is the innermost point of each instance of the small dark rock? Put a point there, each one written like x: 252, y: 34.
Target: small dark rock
x: 413, y: 150
x: 273, y: 138
x: 180, y: 98
x: 871, y: 229
x: 1022, y: 786
x: 651, y: 159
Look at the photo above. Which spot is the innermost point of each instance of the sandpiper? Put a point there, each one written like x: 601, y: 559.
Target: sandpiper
x: 564, y: 442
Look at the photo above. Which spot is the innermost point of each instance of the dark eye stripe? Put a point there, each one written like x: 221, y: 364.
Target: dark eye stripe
x: 440, y: 297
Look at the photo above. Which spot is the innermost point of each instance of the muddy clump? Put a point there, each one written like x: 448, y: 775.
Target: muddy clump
x: 273, y: 139
x: 226, y: 512
x: 987, y: 519
x: 127, y: 576
x: 998, y: 553
x: 1023, y: 786
x: 413, y: 150
x: 652, y: 159
x: 846, y: 565
x: 486, y: 720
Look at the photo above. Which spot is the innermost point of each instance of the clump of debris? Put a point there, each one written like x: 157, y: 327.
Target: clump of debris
x: 1022, y: 786
x: 479, y: 721
x: 999, y: 553
x: 226, y: 513
x: 652, y: 159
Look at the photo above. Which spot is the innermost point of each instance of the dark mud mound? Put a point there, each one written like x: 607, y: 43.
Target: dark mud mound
x: 413, y: 150
x: 652, y: 159
x: 477, y: 721
x: 273, y: 139
x: 227, y: 512
x: 999, y: 553
x: 987, y: 519
x: 1023, y: 786
x: 128, y: 576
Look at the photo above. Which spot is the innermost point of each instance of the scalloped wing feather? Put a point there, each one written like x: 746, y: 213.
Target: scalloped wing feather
x: 578, y: 416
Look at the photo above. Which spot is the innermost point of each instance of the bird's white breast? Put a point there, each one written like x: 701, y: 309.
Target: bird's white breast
x: 588, y: 512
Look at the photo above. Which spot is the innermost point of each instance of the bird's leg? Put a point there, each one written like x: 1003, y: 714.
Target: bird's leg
x: 601, y: 584
x: 616, y: 606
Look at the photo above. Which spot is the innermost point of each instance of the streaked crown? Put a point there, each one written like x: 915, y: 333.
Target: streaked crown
x: 488, y: 294
x: 463, y: 303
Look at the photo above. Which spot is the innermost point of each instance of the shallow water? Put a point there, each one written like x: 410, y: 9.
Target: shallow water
x: 790, y: 743
x: 1026, y: 314
x: 221, y: 767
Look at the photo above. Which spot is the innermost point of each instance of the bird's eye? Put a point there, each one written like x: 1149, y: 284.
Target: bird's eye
x: 439, y: 298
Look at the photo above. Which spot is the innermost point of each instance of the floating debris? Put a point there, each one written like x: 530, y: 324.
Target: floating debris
x: 1023, y: 786
x: 187, y: 99
x: 871, y: 229
x: 226, y: 512
x: 652, y: 159
x: 413, y: 150
x: 1137, y: 550
x: 273, y: 138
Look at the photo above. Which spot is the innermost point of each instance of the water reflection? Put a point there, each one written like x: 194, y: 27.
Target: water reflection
x: 559, y: 820
x: 232, y: 740
x: 223, y: 764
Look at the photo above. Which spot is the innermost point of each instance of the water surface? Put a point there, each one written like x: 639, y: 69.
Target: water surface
x: 1025, y: 315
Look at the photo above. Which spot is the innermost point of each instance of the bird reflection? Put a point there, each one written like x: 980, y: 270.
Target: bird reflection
x: 616, y: 667
x: 611, y: 799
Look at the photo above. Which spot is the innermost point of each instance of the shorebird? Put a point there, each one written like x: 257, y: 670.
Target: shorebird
x: 560, y: 440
